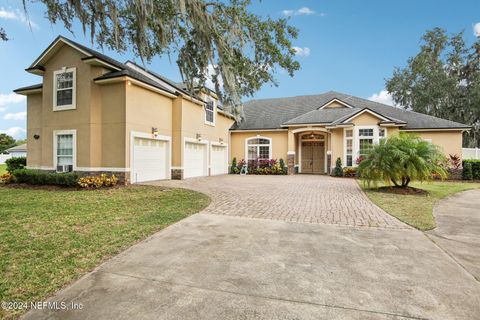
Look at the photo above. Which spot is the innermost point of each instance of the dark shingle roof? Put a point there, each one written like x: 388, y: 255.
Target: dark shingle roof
x: 32, y: 87
x: 273, y: 113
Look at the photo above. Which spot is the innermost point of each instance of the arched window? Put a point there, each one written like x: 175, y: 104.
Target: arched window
x: 258, y: 148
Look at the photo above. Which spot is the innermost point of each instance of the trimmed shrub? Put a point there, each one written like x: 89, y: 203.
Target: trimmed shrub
x: 475, y: 164
x: 283, y: 166
x: 16, y: 163
x: 234, y: 166
x: 338, y: 171
x: 95, y: 182
x: 39, y: 177
x: 467, y: 171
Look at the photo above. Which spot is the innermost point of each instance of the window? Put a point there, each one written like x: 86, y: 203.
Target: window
x: 365, y: 132
x: 210, y: 113
x: 258, y: 149
x: 64, y: 150
x: 349, y: 147
x: 64, y: 89
x: 381, y: 132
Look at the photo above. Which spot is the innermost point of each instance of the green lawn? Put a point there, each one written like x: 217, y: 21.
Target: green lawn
x: 417, y: 210
x: 3, y: 169
x: 50, y: 238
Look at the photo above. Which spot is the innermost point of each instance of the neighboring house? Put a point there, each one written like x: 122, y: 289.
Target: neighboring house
x: 311, y: 132
x: 18, y: 151
x: 94, y: 114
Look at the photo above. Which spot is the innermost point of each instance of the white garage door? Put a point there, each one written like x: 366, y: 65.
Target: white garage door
x: 195, y: 160
x: 150, y: 160
x: 219, y: 160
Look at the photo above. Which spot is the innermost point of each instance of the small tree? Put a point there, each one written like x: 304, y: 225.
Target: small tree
x: 338, y: 171
x: 401, y: 159
x: 234, y: 165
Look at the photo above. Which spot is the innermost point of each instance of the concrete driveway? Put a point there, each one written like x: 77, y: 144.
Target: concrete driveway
x: 221, y: 266
x: 458, y: 229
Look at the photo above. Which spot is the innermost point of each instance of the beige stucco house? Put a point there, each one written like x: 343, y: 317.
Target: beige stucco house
x: 311, y: 132
x: 93, y: 114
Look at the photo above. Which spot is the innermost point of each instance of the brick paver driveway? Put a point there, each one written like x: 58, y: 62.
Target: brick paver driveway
x: 297, y: 198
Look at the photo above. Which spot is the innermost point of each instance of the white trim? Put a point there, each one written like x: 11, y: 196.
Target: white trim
x: 93, y: 60
x: 73, y: 105
x: 41, y: 168
x: 345, y: 146
x: 144, y: 135
x: 56, y: 133
x: 258, y: 137
x: 335, y: 100
x: 100, y: 169
x: 310, y: 129
x: 29, y: 91
x: 290, y: 153
x: 445, y: 129
x: 176, y: 168
x: 378, y: 115
x: 53, y: 46
x: 258, y: 130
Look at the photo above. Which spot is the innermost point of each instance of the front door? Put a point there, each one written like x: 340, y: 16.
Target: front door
x: 313, y: 157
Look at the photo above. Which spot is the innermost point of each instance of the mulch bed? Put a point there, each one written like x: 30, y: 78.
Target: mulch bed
x: 404, y: 191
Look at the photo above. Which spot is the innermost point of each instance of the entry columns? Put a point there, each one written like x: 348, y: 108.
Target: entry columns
x: 291, y: 152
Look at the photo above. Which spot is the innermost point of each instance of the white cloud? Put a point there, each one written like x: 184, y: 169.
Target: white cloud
x: 2, y: 109
x: 17, y: 15
x: 382, y: 97
x: 476, y: 29
x: 304, y: 11
x: 15, y: 116
x: 302, y: 52
x: 16, y: 132
x: 10, y: 98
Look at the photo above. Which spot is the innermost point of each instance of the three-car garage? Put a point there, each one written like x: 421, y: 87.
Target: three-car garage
x: 151, y: 158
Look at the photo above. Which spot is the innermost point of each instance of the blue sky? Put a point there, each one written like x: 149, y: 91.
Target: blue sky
x: 349, y: 46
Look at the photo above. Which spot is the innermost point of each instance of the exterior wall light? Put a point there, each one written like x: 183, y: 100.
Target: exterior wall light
x: 36, y: 136
x: 199, y: 137
x: 155, y: 131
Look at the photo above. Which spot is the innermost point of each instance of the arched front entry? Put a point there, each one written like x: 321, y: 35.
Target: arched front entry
x: 312, y: 152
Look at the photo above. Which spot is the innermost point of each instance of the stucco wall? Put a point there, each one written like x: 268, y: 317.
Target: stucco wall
x: 365, y: 119
x: 449, y: 141
x: 145, y: 110
x: 279, y: 143
x: 34, y: 127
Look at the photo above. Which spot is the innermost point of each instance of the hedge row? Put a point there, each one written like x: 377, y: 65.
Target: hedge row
x: 39, y: 177
x: 471, y: 169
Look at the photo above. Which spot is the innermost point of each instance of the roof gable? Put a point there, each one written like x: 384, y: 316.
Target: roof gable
x: 335, y: 103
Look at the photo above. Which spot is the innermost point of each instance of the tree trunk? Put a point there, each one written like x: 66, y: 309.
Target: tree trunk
x: 395, y: 183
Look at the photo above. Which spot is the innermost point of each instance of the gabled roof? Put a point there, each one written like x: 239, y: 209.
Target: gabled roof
x: 282, y: 112
x: 335, y: 100
x: 19, y: 148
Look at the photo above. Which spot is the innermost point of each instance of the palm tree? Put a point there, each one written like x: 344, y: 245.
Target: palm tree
x: 401, y: 159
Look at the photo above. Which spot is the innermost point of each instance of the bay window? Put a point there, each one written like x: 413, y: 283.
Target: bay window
x: 359, y: 140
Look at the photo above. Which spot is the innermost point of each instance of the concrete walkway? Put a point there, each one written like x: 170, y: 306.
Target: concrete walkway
x: 458, y: 229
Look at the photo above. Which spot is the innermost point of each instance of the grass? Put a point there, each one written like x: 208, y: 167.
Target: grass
x: 48, y: 238
x: 3, y: 168
x: 417, y: 210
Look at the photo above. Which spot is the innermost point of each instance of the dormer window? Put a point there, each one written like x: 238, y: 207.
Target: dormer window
x: 64, y: 82
x: 210, y: 113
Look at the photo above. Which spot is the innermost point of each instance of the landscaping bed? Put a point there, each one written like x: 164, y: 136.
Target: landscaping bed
x: 415, y: 207
x: 50, y: 236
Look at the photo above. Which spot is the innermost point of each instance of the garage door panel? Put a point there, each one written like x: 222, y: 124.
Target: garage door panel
x: 219, y: 160
x: 195, y: 160
x: 150, y: 160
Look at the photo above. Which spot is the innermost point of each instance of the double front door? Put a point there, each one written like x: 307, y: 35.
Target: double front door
x: 313, y: 157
